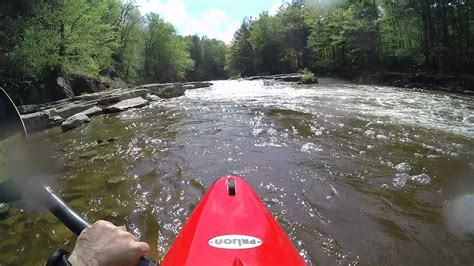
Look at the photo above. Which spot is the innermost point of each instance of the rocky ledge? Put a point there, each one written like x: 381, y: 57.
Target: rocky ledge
x: 76, y: 111
x: 291, y: 77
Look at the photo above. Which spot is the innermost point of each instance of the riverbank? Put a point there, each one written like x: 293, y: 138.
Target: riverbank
x: 419, y: 80
x: 73, y: 112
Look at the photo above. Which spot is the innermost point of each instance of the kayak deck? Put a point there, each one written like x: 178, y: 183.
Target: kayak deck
x: 231, y: 226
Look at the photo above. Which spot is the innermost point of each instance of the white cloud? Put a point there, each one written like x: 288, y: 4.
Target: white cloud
x: 275, y: 7
x: 213, y: 22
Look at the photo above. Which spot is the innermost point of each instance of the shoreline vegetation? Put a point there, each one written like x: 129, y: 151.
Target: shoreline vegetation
x: 52, y: 50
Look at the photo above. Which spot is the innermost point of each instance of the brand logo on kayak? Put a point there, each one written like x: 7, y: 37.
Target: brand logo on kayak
x: 235, y: 242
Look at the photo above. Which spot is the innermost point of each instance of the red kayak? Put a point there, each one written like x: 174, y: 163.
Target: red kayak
x: 231, y: 226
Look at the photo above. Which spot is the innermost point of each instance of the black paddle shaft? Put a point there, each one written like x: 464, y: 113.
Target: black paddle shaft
x: 72, y: 220
x: 66, y: 215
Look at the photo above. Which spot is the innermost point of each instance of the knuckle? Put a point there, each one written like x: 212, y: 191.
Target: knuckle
x: 124, y: 235
x: 101, y: 223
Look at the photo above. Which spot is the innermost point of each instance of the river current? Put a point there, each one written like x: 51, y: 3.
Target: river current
x: 355, y: 174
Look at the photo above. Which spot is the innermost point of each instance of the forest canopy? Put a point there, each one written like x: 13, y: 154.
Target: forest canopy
x: 41, y: 40
x: 101, y: 37
x: 350, y: 36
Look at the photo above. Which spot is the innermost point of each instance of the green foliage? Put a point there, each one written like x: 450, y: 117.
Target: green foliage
x: 74, y: 36
x: 43, y: 38
x: 128, y: 58
x: 308, y: 77
x: 166, y: 57
x: 240, y: 57
x: 209, y: 56
x: 100, y: 38
x: 350, y: 36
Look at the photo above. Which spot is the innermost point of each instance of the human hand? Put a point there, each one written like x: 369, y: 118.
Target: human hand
x: 104, y: 244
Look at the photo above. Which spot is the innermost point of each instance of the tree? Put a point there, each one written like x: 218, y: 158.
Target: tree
x: 75, y: 37
x: 266, y: 37
x: 129, y: 55
x: 197, y: 55
x: 166, y: 57
x: 240, y: 58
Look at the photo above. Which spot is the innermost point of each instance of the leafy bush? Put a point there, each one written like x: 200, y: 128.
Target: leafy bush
x: 308, y: 77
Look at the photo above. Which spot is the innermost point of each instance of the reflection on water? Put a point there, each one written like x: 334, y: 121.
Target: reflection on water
x: 355, y: 174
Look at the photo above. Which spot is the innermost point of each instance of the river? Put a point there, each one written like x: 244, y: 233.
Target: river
x: 355, y: 174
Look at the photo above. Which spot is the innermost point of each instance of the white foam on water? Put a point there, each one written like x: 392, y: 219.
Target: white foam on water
x: 310, y: 148
x: 402, y: 167
x: 400, y: 180
x: 418, y: 155
x: 423, y: 179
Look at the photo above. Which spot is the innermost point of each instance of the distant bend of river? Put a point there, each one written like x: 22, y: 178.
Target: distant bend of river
x: 355, y: 174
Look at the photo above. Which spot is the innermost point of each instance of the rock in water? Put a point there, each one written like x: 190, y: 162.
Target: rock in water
x: 54, y: 121
x: 153, y: 98
x: 199, y: 84
x: 75, y: 121
x: 92, y: 111
x: 188, y: 87
x: 126, y: 104
x: 36, y: 121
x: 165, y: 91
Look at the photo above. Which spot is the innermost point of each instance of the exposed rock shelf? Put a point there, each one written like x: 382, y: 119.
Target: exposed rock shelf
x: 64, y: 112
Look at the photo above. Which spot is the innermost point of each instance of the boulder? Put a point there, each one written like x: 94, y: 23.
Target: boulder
x: 54, y: 121
x: 93, y: 111
x: 35, y: 122
x: 292, y: 77
x: 167, y: 90
x: 153, y: 98
x: 82, y: 85
x: 53, y: 88
x: 295, y: 77
x: 120, y: 95
x: 75, y: 121
x: 126, y: 104
x: 188, y: 87
x: 199, y: 84
x: 74, y: 108
x: 64, y: 85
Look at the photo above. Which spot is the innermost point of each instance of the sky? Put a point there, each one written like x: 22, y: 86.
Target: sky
x: 214, y: 18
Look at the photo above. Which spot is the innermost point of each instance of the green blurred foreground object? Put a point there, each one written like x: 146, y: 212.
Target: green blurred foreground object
x: 12, y: 134
x: 6, y: 148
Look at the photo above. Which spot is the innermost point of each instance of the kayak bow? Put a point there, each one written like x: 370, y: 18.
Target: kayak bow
x: 231, y: 226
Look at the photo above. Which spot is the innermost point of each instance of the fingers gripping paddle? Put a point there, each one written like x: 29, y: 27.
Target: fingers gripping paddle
x: 12, y: 129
